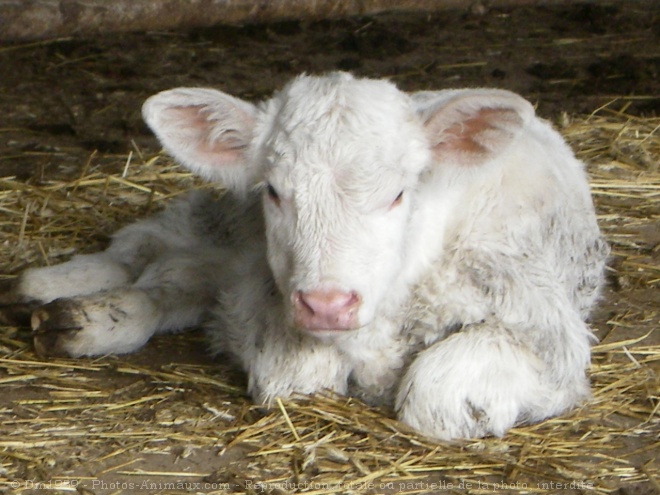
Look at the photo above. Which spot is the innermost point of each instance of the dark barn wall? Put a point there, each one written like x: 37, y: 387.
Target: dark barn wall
x: 46, y: 19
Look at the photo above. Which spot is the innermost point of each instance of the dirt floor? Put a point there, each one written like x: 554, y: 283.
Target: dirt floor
x: 70, y: 106
x: 86, y: 94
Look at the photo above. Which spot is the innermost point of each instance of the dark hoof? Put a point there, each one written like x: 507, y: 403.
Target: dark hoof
x: 53, y: 325
x: 17, y: 315
x: 14, y: 310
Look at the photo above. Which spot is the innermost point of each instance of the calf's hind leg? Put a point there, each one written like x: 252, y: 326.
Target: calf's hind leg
x: 120, y: 265
x: 174, y: 292
x: 83, y: 274
x: 115, y: 321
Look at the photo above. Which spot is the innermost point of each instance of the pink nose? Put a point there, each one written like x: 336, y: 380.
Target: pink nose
x: 326, y: 310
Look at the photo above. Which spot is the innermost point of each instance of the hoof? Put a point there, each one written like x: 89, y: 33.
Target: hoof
x: 55, y: 325
x: 14, y: 309
x: 17, y: 315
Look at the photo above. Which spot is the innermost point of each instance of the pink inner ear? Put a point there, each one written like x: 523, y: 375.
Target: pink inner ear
x: 476, y: 135
x: 196, y: 131
x: 193, y: 117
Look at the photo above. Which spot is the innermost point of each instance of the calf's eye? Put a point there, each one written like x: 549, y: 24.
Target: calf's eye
x: 272, y: 194
x: 397, y: 200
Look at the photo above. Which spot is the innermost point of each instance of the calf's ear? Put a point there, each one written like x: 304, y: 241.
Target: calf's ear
x: 471, y: 127
x: 207, y: 131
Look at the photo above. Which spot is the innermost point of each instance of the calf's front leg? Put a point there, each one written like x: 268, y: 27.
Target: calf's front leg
x: 482, y: 381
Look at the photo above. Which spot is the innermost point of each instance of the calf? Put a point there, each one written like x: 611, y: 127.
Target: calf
x: 437, y: 252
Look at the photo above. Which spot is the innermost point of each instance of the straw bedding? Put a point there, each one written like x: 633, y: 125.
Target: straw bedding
x: 170, y: 420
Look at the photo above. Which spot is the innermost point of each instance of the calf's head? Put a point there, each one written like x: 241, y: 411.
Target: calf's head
x: 340, y: 162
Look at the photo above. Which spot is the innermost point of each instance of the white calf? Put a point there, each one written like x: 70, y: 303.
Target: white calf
x: 435, y: 251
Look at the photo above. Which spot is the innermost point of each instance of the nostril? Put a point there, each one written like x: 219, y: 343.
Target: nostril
x: 301, y: 302
x: 352, y: 300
